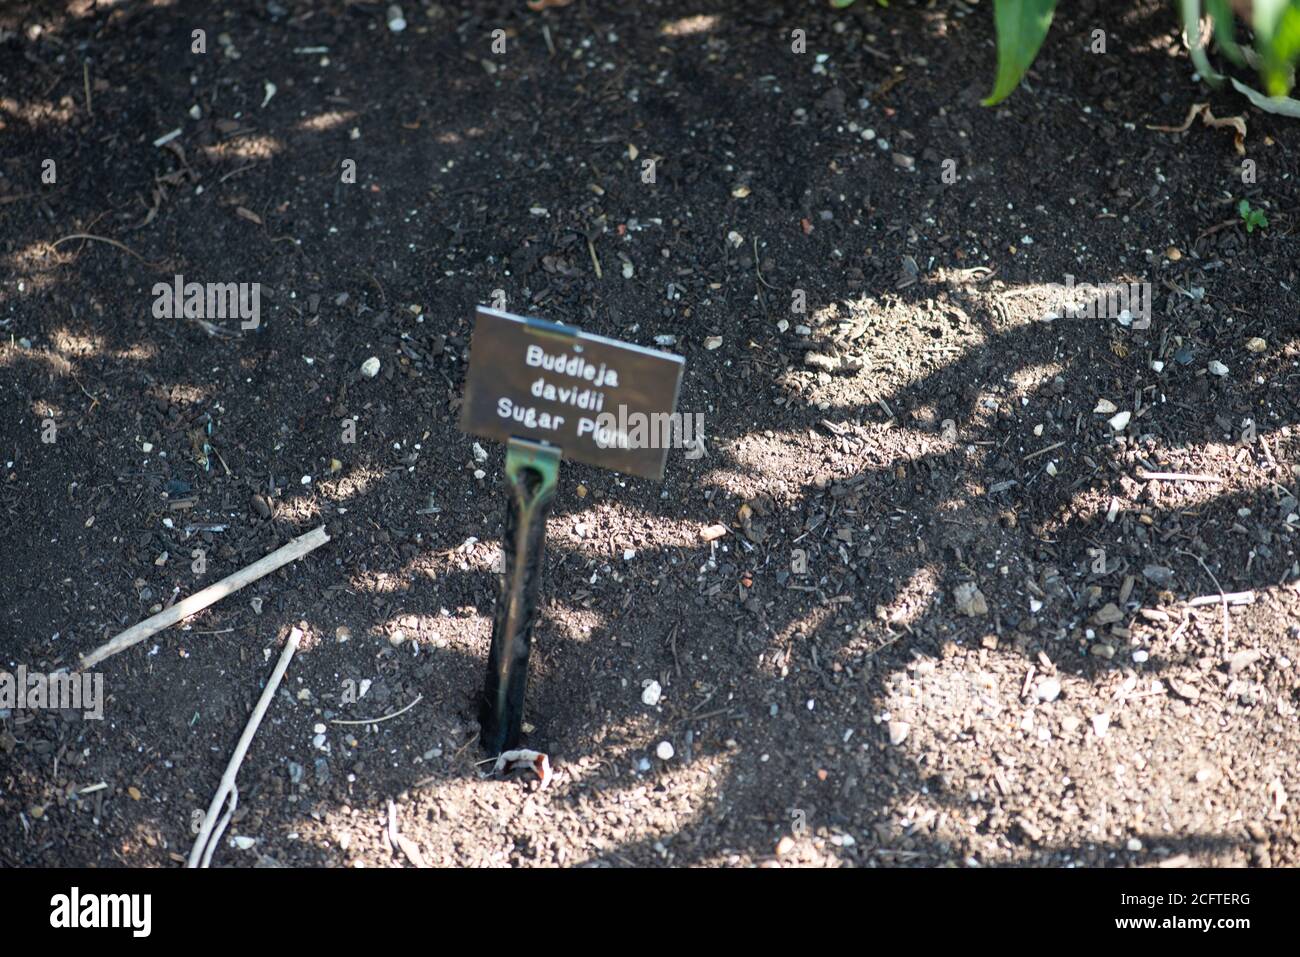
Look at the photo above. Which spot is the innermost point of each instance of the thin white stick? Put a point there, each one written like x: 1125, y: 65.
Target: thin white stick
x: 214, y: 841
x: 387, y: 717
x: 1232, y: 598
x: 1176, y: 477
x: 1223, y: 597
x: 137, y: 633
x: 228, y: 779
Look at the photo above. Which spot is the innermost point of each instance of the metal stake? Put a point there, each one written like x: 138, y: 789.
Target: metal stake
x: 531, y: 469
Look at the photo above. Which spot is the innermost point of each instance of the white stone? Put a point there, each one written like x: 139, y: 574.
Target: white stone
x: 898, y: 731
x: 1049, y: 689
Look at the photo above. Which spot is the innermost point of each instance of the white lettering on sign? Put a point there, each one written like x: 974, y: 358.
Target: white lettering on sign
x: 575, y: 366
x: 603, y: 432
x: 582, y: 398
x: 527, y: 416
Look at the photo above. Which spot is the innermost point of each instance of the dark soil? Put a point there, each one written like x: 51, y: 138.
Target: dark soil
x: 846, y: 712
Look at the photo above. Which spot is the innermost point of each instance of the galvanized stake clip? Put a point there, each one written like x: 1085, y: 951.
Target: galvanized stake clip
x: 532, y: 469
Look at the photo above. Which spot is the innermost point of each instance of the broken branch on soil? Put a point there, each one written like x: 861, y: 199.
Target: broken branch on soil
x: 111, y: 242
x: 1232, y: 598
x: 207, y: 840
x: 137, y: 633
x: 1176, y: 477
x: 1222, y: 595
x: 387, y: 717
x: 1034, y: 455
x: 214, y: 330
x: 758, y: 269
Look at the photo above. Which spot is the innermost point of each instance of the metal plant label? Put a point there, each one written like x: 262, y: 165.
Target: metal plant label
x: 538, y: 380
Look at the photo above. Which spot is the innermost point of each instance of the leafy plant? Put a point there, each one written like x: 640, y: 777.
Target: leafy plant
x: 1022, y: 26
x: 1252, y: 217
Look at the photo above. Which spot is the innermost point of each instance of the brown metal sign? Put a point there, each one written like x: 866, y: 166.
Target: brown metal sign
x: 603, y: 402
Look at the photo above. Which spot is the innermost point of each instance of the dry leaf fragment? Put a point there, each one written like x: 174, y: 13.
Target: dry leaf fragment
x: 1236, y: 123
x: 524, y: 758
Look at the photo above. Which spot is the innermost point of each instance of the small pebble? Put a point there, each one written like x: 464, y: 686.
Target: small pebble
x: 651, y: 694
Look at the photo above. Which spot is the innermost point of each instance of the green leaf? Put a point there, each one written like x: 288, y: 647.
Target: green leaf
x: 1281, y: 105
x: 1251, y: 217
x: 1277, y: 39
x: 1224, y: 30
x: 1191, y: 10
x: 1021, y: 26
x: 841, y: 4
